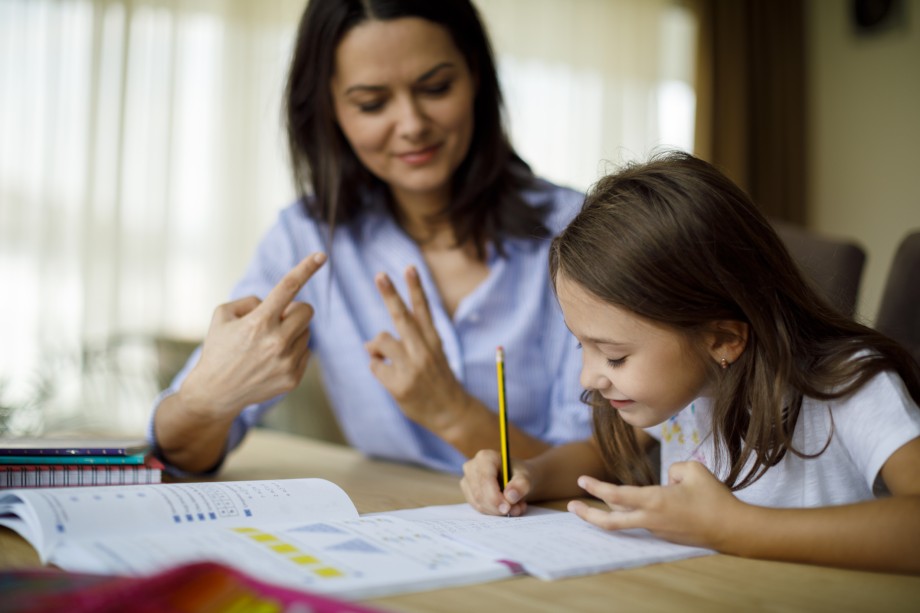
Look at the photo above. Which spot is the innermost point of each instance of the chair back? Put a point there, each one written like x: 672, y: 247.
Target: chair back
x: 834, y: 265
x: 899, y: 311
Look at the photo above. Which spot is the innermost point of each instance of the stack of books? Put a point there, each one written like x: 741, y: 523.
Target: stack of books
x: 50, y: 462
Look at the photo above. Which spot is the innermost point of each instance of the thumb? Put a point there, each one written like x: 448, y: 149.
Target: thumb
x: 236, y: 309
x: 518, y: 487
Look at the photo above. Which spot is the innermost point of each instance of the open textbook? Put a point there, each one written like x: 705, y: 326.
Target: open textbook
x: 307, y: 534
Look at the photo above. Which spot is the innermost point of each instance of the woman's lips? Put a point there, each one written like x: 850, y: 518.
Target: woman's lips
x: 419, y: 157
x: 620, y: 404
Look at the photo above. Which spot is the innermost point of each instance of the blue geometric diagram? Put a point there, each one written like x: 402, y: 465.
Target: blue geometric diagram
x: 356, y: 545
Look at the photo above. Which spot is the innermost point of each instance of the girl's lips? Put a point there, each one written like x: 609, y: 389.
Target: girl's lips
x: 422, y: 156
x: 621, y: 404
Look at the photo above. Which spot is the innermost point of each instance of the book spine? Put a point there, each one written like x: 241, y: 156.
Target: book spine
x: 82, y: 459
x: 72, y: 475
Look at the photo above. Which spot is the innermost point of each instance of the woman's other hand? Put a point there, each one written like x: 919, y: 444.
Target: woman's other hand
x: 413, y: 367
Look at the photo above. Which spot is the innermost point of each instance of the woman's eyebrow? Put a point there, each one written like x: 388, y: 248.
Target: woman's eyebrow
x: 424, y: 77
x: 427, y: 75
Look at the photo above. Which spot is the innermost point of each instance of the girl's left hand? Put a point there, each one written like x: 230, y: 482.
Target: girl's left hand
x: 413, y: 367
x: 694, y: 508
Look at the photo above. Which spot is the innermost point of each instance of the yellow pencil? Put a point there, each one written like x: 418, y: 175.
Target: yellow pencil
x: 503, y: 416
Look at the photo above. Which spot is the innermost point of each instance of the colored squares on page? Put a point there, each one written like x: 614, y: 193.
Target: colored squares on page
x: 291, y: 552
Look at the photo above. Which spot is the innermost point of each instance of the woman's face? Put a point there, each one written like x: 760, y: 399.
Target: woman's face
x: 403, y: 96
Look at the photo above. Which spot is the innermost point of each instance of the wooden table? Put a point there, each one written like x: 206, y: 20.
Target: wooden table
x: 711, y: 583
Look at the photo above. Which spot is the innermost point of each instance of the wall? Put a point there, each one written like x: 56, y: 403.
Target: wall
x: 864, y: 134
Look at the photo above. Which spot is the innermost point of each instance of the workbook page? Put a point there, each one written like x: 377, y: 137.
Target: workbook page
x: 356, y: 558
x: 48, y: 517
x: 550, y: 544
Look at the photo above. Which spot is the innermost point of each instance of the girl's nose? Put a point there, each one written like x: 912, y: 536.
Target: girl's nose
x: 592, y: 378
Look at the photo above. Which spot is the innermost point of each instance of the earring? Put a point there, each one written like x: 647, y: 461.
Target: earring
x: 724, y: 364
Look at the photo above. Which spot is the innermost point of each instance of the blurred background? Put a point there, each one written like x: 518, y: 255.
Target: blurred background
x: 142, y: 155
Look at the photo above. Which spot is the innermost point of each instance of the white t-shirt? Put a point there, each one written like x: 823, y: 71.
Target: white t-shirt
x: 868, y: 426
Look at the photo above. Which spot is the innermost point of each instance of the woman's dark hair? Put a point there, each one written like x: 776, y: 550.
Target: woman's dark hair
x: 676, y: 242
x: 485, y: 196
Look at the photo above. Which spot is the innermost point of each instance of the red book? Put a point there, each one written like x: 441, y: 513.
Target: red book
x: 75, y: 475
x: 189, y: 588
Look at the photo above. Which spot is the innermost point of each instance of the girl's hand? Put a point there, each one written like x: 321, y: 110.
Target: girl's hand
x: 694, y: 508
x: 413, y: 368
x: 480, y: 485
x: 254, y: 350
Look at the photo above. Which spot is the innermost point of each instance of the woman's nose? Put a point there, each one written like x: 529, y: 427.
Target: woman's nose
x: 411, y: 118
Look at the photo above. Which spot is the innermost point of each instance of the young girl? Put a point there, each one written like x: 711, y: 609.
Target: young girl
x: 787, y: 431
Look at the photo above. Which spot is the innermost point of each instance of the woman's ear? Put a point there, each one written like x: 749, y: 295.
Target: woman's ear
x: 727, y: 340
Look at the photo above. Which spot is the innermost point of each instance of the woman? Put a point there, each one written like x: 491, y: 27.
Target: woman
x: 394, y: 119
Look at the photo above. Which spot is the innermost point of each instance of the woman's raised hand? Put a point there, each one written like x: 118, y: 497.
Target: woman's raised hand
x: 413, y: 367
x: 254, y: 350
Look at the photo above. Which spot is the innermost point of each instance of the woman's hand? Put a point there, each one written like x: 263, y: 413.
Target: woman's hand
x: 254, y: 350
x: 694, y: 508
x: 480, y: 485
x: 413, y: 367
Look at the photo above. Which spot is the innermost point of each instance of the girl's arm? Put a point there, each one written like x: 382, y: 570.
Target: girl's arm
x: 696, y: 509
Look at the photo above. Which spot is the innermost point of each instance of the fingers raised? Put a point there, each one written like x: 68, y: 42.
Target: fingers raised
x: 290, y: 284
x: 420, y: 306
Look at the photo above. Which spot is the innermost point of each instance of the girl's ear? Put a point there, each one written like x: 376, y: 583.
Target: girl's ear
x: 727, y: 339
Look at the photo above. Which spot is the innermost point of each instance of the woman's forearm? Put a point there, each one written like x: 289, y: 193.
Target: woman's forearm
x: 190, y: 437
x: 475, y: 427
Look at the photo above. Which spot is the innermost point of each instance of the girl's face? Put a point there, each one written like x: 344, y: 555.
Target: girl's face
x: 403, y: 96
x: 646, y: 371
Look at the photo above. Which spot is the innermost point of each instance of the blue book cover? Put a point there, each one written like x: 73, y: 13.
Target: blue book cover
x: 74, y: 459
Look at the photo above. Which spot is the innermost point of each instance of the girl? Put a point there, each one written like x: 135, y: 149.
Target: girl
x: 787, y: 431
x: 406, y: 178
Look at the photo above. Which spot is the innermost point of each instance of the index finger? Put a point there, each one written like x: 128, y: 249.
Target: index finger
x: 286, y: 290
x: 403, y: 319
x: 617, y: 496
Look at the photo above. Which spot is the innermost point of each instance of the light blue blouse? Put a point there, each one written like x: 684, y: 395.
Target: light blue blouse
x: 514, y: 307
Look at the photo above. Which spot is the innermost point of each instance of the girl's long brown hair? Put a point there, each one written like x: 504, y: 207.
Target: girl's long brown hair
x: 676, y: 242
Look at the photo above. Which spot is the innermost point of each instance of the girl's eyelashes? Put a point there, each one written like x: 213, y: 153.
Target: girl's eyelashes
x: 611, y: 362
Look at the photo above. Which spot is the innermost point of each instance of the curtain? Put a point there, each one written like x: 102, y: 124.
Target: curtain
x: 142, y: 156
x: 751, y: 99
